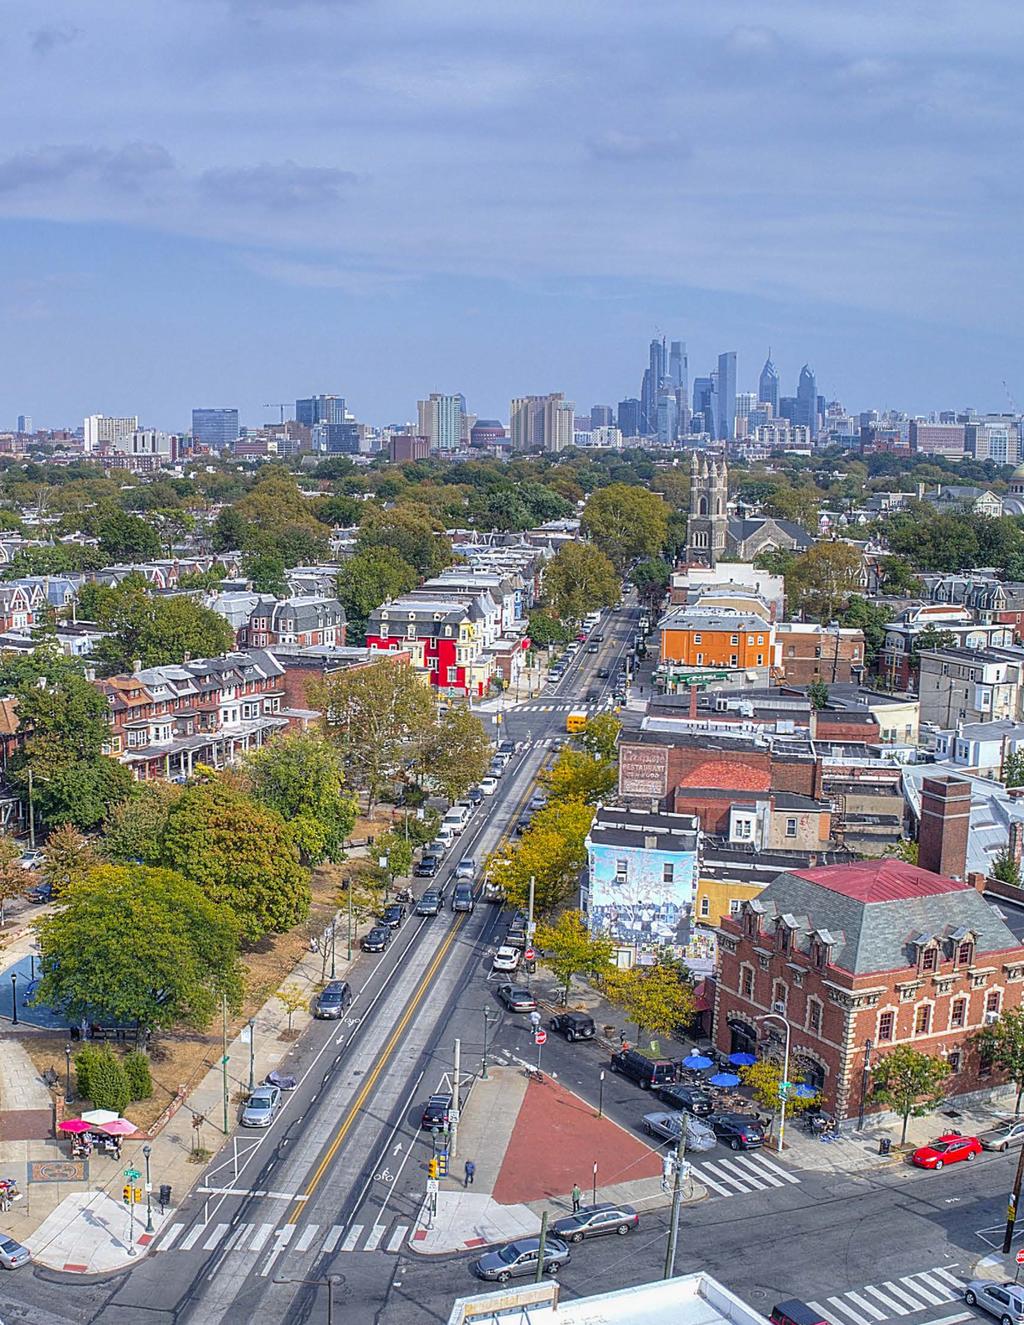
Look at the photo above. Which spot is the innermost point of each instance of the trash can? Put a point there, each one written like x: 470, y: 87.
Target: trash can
x: 165, y: 1195
x: 884, y: 1146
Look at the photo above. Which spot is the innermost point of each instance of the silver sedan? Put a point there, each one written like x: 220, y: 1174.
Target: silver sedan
x: 1009, y: 1133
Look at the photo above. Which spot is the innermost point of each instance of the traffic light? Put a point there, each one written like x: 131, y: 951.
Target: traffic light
x: 126, y: 1194
x: 433, y: 1168
x: 136, y: 1194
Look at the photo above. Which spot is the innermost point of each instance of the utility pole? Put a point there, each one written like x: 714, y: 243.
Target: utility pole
x: 1014, y: 1202
x: 453, y: 1138
x: 31, y: 815
x: 529, y: 917
x: 540, y: 1249
x: 224, y: 1056
x: 350, y: 919
x: 677, y: 1200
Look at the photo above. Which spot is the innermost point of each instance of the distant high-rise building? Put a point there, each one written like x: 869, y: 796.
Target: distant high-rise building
x: 215, y: 427
x: 441, y: 419
x: 807, y: 401
x: 320, y: 409
x: 668, y: 418
x: 704, y: 404
x: 25, y: 424
x: 768, y: 385
x: 336, y: 438
x: 727, y: 395
x: 487, y: 432
x: 629, y: 417
x: 787, y: 408
x: 541, y: 421
x: 678, y: 369
x: 654, y: 377
x: 99, y: 431
x: 602, y: 416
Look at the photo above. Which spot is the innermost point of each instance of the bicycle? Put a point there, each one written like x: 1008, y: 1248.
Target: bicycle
x: 535, y: 1074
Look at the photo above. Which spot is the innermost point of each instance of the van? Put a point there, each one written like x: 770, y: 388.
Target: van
x: 445, y: 836
x: 462, y: 897
x: 577, y: 721
x: 456, y: 819
x: 646, y: 1072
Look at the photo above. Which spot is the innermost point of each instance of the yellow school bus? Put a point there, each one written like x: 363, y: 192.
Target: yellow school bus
x: 577, y: 720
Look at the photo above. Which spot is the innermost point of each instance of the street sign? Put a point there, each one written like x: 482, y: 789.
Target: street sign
x: 529, y: 955
x: 432, y: 1186
x: 132, y: 1174
x: 1020, y: 1257
x: 453, y: 1117
x: 540, y: 1037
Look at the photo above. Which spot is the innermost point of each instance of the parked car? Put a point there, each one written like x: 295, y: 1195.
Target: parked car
x: 462, y: 897
x: 520, y: 1258
x: 666, y: 1125
x: 592, y: 1221
x: 522, y: 823
x: 261, y: 1107
x: 393, y: 915
x: 489, y: 785
x: 515, y: 935
x: 376, y: 940
x: 950, y: 1148
x: 1004, y: 1301
x: 646, y: 1072
x: 475, y: 796
x: 573, y: 1025
x: 437, y: 848
x: 40, y: 893
x: 602, y: 674
x: 691, y: 1099
x: 517, y: 998
x: 426, y: 867
x: 494, y: 771
x: 795, y: 1312
x: 30, y: 860
x: 507, y: 748
x: 12, y: 1253
x: 537, y: 801
x: 1004, y: 1135
x: 429, y: 904
x: 436, y: 1111
x: 506, y: 958
x: 465, y: 869
x: 739, y: 1131
x: 332, y: 1000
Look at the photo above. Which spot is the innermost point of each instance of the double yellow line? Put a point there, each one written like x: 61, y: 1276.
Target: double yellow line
x: 371, y: 1080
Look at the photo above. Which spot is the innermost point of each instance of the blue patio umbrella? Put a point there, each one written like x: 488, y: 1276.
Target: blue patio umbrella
x: 804, y: 1092
x: 698, y: 1062
x: 743, y: 1060
x: 725, y: 1079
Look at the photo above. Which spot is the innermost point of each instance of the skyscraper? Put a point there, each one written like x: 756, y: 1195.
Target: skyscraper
x: 807, y: 401
x: 768, y: 385
x: 678, y: 369
x: 103, y: 430
x: 704, y: 403
x: 602, y: 416
x: 668, y: 418
x: 25, y: 423
x: 541, y: 421
x: 654, y: 376
x: 727, y: 395
x: 214, y: 427
x: 441, y: 419
x: 320, y: 409
x: 629, y: 417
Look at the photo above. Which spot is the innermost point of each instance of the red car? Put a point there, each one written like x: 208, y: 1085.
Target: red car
x: 948, y: 1149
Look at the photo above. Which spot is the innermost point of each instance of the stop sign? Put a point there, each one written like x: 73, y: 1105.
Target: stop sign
x: 529, y: 955
x: 539, y: 1037
x: 1020, y: 1257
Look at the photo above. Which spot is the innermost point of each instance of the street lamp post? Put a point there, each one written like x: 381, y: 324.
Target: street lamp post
x: 68, y: 1097
x: 600, y: 1094
x: 329, y: 1281
x: 784, y: 1085
x: 487, y: 1025
x: 865, y: 1077
x: 350, y: 920
x: 146, y: 1152
x: 252, y: 1054
x: 334, y: 944
x: 14, y: 998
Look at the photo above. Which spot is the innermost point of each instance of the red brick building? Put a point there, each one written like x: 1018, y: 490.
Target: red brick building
x: 861, y: 958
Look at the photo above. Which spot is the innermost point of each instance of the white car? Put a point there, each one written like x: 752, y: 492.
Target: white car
x: 488, y: 785
x: 506, y: 958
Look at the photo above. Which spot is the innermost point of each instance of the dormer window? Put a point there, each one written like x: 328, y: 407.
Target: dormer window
x: 785, y: 938
x: 930, y: 958
x: 750, y: 922
x: 965, y: 952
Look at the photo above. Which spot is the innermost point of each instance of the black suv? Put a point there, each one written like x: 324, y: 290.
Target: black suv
x: 741, y: 1131
x: 333, y: 1000
x: 573, y: 1025
x: 690, y: 1098
x: 646, y: 1072
x: 437, y: 1111
x: 427, y: 867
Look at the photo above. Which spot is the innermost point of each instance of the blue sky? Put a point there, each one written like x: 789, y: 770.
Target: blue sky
x: 225, y: 202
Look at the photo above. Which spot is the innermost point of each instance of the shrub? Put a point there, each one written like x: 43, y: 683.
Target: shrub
x: 102, y: 1078
x: 136, y: 1070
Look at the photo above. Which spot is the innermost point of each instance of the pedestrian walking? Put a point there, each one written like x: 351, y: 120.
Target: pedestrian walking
x: 577, y: 1196
x: 470, y: 1173
x: 535, y: 1021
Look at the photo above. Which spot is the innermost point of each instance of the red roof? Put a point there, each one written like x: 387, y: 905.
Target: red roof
x: 880, y: 881
x: 727, y: 775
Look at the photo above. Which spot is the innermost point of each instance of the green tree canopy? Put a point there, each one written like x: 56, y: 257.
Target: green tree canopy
x: 579, y: 579
x: 908, y: 1082
x: 626, y: 523
x: 655, y: 998
x: 451, y: 751
x: 150, y: 630
x: 367, y: 580
x: 126, y: 537
x: 569, y: 949
x: 266, y: 572
x: 552, y: 851
x: 412, y: 533
x: 823, y: 579
x: 872, y: 619
x: 1003, y: 1044
x: 579, y: 776
x: 134, y: 828
x: 300, y: 776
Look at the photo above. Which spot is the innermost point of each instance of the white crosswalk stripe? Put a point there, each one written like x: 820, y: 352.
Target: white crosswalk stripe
x: 214, y: 1239
x: 192, y: 1237
x: 376, y: 1233
x: 397, y: 1237
x: 250, y: 1238
x: 352, y: 1237
x: 262, y: 1233
x: 168, y: 1239
x: 332, y: 1238
x: 922, y: 1291
x: 306, y: 1237
x: 750, y: 1172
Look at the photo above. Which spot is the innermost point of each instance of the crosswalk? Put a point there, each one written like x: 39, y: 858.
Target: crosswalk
x: 750, y: 1172
x: 255, y: 1237
x: 924, y: 1291
x: 547, y: 708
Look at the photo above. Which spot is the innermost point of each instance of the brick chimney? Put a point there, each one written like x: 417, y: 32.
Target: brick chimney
x: 1016, y: 844
x: 945, y: 824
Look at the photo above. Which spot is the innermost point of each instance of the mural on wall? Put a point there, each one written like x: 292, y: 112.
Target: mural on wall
x: 638, y: 905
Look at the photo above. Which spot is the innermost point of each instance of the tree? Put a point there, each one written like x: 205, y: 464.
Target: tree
x: 154, y: 631
x: 626, y: 523
x: 765, y: 1076
x: 241, y: 854
x: 552, y: 852
x: 135, y: 945
x: 775, y: 560
x: 266, y: 572
x: 293, y: 998
x: 300, y: 776
x: 577, y: 775
x: 545, y: 630
x: 375, y: 715
x: 1006, y: 869
x: 134, y: 828
x: 367, y: 580
x: 600, y: 737
x: 903, y: 850
x: 138, y: 1074
x: 68, y: 858
x: 1003, y: 1044
x: 101, y: 1077
x: 13, y: 879
x: 569, y: 949
x: 872, y: 619
x: 652, y: 578
x: 580, y: 579
x: 817, y: 693
x: 823, y: 579
x: 898, y: 577
x: 908, y: 1082
x: 1013, y: 769
x: 654, y: 997
x: 411, y: 532
x: 398, y: 852
x: 451, y: 751
x: 80, y: 793
x: 126, y: 537
x: 278, y: 519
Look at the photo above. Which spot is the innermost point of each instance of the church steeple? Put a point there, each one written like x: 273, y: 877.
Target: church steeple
x: 709, y: 509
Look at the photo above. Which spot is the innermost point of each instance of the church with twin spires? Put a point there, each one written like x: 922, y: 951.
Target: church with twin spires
x: 714, y: 535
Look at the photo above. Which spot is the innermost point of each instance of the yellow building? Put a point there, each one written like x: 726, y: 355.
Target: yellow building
x: 718, y: 898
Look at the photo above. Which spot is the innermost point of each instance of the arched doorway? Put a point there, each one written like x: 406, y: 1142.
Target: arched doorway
x: 742, y: 1037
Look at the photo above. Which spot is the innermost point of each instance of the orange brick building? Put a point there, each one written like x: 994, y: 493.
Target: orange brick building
x: 696, y: 638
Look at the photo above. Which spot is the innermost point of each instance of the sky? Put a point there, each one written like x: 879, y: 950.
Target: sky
x: 237, y: 202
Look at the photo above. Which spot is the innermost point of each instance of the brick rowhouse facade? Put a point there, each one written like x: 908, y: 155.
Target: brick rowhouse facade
x: 877, y: 951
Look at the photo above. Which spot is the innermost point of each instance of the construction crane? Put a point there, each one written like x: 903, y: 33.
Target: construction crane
x: 1013, y: 403
x: 282, y: 405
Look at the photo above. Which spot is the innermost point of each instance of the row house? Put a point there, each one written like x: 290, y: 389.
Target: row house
x: 307, y: 622
x: 970, y: 685
x: 899, y: 657
x: 444, y: 641
x: 17, y: 610
x: 504, y: 588
x: 702, y: 637
x: 858, y: 959
x: 165, y: 720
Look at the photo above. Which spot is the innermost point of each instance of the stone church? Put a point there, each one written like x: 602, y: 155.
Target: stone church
x: 713, y: 535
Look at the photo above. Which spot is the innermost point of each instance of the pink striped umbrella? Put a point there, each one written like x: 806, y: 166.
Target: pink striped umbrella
x: 118, y: 1127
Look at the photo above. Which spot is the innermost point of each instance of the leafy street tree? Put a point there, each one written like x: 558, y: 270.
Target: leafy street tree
x: 451, y: 752
x: 817, y: 693
x: 577, y: 775
x: 241, y: 854
x: 579, y: 579
x: 68, y: 858
x: 375, y: 715
x: 300, y: 776
x: 652, y: 578
x: 600, y: 737
x: 823, y: 579
x: 775, y: 560
x: 152, y: 631
x: 411, y: 532
x: 908, y: 1082
x: 654, y: 997
x: 368, y: 579
x: 930, y: 638
x: 552, y: 851
x: 139, y: 946
x: 266, y: 573
x: 134, y: 829
x: 13, y: 879
x: 544, y: 629
x: 293, y: 998
x: 101, y: 1077
x: 1006, y: 869
x: 1013, y: 769
x: 128, y: 538
x: 277, y: 519
x: 898, y: 576
x: 79, y: 793
x: 569, y: 949
x: 1003, y: 1044
x: 626, y: 523
x: 398, y: 852
x: 872, y: 619
x: 764, y: 1078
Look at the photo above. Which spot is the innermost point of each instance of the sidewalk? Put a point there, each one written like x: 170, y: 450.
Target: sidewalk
x: 71, y: 1215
